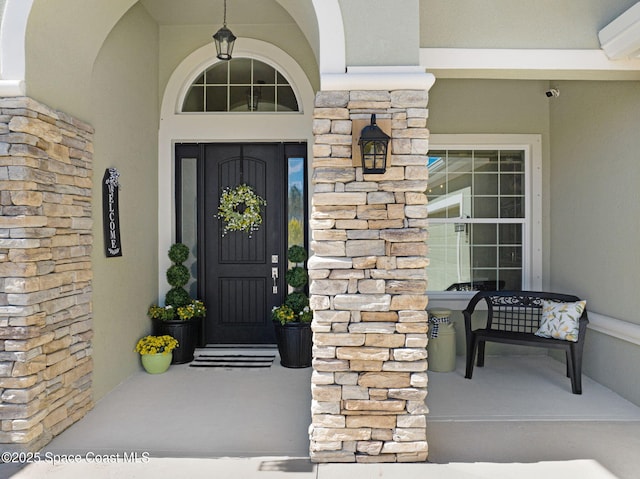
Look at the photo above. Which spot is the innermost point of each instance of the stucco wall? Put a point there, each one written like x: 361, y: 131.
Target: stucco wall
x: 62, y: 42
x: 516, y: 24
x: 595, y: 173
x: 124, y: 112
x: 2, y: 5
x: 379, y: 32
x: 178, y: 41
x: 595, y: 221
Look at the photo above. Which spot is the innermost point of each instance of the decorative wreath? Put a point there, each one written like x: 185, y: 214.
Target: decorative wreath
x: 240, y: 209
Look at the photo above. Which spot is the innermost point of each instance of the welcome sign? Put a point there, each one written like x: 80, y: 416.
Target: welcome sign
x: 111, y: 213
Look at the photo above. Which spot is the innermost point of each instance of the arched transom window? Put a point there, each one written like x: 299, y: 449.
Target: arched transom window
x: 240, y: 85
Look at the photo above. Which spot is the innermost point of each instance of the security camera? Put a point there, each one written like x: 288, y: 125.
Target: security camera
x: 554, y: 92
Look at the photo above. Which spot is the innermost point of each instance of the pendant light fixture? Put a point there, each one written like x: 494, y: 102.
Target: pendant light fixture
x: 224, y: 39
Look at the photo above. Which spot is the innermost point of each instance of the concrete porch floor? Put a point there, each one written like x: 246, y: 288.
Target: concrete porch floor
x: 515, y: 418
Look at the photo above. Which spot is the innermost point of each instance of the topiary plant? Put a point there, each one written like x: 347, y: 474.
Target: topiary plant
x: 297, y: 254
x: 177, y: 276
x: 296, y: 302
x: 178, y: 302
x: 296, y: 277
x: 178, y: 253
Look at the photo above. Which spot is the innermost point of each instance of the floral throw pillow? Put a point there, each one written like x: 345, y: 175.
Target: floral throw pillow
x: 560, y: 320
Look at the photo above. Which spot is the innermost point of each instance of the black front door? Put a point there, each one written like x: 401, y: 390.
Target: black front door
x: 238, y: 281
x: 235, y: 272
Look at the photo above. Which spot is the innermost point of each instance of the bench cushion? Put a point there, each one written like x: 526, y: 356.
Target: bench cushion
x: 560, y: 320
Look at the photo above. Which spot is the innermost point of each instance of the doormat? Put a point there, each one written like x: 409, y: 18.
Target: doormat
x: 223, y: 358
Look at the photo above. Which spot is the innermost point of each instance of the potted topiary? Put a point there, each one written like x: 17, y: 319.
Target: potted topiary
x: 292, y: 319
x: 181, y: 315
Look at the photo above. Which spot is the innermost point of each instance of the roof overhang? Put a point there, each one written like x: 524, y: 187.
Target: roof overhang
x: 620, y: 40
x: 527, y: 64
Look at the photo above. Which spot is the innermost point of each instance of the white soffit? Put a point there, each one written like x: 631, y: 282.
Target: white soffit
x: 621, y: 38
x: 379, y: 78
x: 528, y: 64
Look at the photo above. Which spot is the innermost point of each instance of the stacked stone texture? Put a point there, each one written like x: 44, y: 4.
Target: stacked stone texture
x: 368, y: 283
x: 45, y: 273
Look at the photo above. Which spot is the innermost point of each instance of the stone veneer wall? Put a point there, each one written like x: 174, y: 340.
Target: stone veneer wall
x: 368, y: 283
x: 45, y: 273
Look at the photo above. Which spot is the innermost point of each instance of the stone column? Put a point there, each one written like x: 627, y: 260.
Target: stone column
x: 45, y: 273
x: 368, y: 283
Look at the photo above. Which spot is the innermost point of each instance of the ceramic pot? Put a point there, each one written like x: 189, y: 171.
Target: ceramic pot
x: 156, y: 363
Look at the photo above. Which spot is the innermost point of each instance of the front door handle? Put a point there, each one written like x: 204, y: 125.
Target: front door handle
x: 274, y: 276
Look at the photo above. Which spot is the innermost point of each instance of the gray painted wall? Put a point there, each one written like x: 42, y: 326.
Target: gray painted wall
x: 516, y: 23
x: 124, y: 112
x: 2, y: 5
x: 380, y: 32
x: 595, y: 173
x: 595, y: 219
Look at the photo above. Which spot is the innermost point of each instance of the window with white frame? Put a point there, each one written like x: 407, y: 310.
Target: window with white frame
x: 484, y: 212
x: 240, y: 85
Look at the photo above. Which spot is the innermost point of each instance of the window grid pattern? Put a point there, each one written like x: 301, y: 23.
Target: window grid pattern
x: 477, y: 219
x: 240, y: 85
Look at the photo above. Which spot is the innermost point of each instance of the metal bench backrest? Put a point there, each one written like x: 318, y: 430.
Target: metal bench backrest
x: 517, y: 311
x: 514, y: 313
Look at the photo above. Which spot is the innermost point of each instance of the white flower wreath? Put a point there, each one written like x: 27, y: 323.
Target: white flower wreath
x: 240, y: 209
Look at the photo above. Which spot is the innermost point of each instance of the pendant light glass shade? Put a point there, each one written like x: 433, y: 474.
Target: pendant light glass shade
x: 224, y: 39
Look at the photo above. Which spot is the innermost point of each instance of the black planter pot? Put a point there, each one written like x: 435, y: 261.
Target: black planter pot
x: 186, y: 332
x: 294, y: 344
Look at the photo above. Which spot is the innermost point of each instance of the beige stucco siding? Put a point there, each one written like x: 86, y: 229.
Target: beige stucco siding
x: 379, y: 32
x: 516, y: 24
x: 595, y: 175
x: 124, y: 112
x: 63, y: 40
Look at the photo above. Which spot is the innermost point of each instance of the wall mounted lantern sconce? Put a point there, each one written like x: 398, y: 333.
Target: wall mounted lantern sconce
x: 224, y: 39
x: 374, y: 144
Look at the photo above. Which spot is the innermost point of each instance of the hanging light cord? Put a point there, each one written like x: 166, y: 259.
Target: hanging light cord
x: 225, y: 13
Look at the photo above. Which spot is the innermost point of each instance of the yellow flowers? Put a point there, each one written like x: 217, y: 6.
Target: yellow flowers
x: 195, y: 309
x: 156, y: 345
x: 283, y: 314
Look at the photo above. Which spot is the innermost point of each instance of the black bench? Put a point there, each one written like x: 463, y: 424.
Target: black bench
x: 486, y: 285
x: 513, y: 317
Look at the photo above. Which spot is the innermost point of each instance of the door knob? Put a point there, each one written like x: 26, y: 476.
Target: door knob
x: 274, y: 276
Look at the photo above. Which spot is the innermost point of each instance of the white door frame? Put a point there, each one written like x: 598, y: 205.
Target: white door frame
x: 221, y: 127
